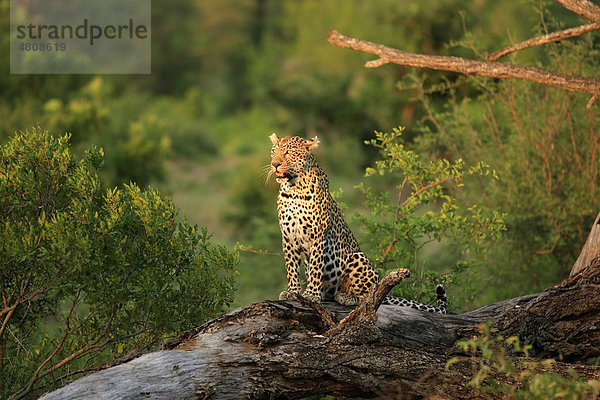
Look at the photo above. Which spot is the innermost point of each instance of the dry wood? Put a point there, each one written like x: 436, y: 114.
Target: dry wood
x: 591, y: 249
x: 278, y: 349
x: 585, y: 8
x: 544, y: 39
x: 499, y: 70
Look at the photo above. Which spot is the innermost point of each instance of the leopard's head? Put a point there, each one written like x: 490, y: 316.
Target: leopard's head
x: 291, y: 156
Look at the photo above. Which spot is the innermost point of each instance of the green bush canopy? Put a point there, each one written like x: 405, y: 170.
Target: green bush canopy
x: 88, y: 274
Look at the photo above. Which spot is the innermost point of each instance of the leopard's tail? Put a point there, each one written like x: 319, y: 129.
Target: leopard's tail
x: 442, y: 300
x: 440, y: 293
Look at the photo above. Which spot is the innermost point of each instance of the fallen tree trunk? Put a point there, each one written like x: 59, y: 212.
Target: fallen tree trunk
x: 280, y: 349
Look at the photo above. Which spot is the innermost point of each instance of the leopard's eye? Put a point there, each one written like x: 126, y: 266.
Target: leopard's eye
x: 286, y: 153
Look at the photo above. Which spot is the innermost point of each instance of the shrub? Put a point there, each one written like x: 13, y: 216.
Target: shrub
x: 422, y: 210
x: 497, y: 371
x: 88, y: 273
x: 543, y: 142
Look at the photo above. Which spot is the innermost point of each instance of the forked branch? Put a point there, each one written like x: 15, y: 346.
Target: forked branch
x: 499, y: 70
x: 544, y: 39
x: 359, y: 325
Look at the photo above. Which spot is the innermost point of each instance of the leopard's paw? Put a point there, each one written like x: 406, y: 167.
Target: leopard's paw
x: 288, y: 295
x: 346, y: 299
x: 315, y: 298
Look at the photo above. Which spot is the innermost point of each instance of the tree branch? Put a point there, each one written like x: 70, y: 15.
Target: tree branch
x: 499, y: 70
x: 585, y: 8
x: 429, y: 186
x: 540, y: 40
x: 7, y: 312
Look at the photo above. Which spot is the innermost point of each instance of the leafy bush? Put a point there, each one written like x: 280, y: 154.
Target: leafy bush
x: 544, y: 144
x: 496, y: 371
x: 89, y: 274
x: 422, y: 210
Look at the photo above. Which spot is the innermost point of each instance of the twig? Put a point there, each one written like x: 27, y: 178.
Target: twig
x: 37, y: 376
x: 585, y: 8
x: 573, y: 141
x: 551, y: 249
x: 261, y: 252
x: 499, y: 70
x: 68, y: 331
x: 7, y: 312
x: 426, y: 187
x: 544, y: 39
x: 592, y: 101
x: 397, y: 215
x: 18, y: 341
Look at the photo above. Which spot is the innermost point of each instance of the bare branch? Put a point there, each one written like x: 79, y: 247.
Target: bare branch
x: 500, y: 70
x: 544, y: 39
x: 585, y: 8
x: 592, y: 101
x: 364, y: 314
x: 427, y: 187
x: 261, y: 252
x: 7, y: 312
x: 97, y: 343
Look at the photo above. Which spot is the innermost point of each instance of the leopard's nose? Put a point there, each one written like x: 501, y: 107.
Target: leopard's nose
x: 275, y: 164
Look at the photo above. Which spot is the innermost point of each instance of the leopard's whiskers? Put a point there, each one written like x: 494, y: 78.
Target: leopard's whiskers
x: 267, y: 172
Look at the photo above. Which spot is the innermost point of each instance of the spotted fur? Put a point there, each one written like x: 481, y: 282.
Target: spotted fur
x: 313, y: 229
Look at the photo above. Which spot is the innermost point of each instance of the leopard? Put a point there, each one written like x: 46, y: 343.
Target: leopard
x: 313, y: 231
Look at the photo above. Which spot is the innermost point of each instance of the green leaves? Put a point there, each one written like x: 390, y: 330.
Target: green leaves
x: 93, y: 273
x: 422, y: 210
x: 543, y: 142
x: 498, y: 371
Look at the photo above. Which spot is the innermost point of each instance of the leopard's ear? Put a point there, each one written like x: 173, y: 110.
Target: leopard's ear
x: 274, y: 138
x: 312, y: 143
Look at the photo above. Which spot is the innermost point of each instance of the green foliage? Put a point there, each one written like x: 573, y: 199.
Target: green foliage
x: 423, y: 209
x: 498, y: 372
x: 89, y: 274
x: 228, y: 73
x: 544, y: 144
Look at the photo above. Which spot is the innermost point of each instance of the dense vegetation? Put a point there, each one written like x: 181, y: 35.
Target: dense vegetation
x: 89, y: 273
x: 525, y: 379
x: 226, y: 74
x: 197, y: 127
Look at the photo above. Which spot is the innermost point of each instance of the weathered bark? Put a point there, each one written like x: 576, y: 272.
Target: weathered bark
x: 499, y: 70
x: 278, y: 349
x: 585, y: 8
x: 490, y: 67
x: 544, y: 39
x: 590, y: 250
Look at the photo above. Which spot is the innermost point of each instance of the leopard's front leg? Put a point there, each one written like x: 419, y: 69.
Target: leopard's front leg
x: 314, y: 285
x: 292, y: 265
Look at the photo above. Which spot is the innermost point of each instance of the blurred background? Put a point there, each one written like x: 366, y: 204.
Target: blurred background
x: 226, y: 74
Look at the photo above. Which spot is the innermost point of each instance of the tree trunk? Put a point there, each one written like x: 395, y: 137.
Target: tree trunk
x: 281, y: 349
x: 590, y: 250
